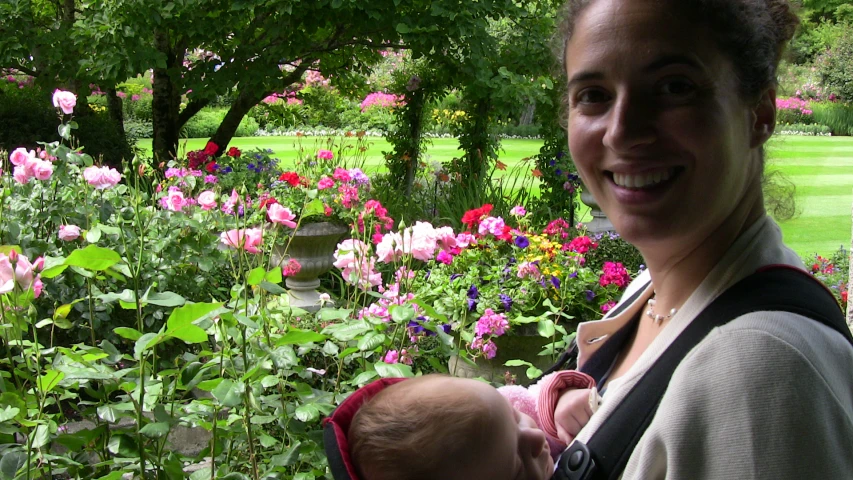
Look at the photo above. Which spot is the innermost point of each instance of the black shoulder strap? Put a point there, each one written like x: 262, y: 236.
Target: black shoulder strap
x: 772, y: 289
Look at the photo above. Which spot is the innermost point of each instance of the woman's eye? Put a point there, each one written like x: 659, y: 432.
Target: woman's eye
x: 677, y: 87
x: 591, y: 95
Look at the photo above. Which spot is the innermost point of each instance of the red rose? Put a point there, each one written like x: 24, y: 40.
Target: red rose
x: 234, y: 152
x: 291, y: 178
x: 211, y: 148
x: 267, y: 202
x: 210, y: 167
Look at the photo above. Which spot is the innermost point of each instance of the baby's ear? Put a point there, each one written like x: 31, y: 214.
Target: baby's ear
x: 763, y: 118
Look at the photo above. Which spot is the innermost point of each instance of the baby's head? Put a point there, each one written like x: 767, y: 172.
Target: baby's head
x: 439, y: 427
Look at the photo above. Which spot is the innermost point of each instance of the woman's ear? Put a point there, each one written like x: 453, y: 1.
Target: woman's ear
x: 763, y: 118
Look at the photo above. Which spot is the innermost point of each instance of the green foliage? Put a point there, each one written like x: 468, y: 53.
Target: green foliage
x: 322, y: 106
x: 836, y: 65
x: 205, y: 123
x: 835, y: 115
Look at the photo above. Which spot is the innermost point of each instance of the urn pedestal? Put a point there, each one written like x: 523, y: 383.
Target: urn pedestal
x: 313, y: 246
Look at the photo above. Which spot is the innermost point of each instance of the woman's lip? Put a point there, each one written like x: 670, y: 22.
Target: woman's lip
x: 642, y: 196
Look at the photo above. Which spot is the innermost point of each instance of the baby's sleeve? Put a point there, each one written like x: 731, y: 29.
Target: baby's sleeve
x: 549, y: 390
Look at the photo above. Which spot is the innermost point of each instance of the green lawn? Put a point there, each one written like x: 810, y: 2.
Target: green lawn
x: 820, y: 167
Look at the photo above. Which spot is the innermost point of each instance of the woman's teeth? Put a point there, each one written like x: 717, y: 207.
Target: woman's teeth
x: 642, y: 180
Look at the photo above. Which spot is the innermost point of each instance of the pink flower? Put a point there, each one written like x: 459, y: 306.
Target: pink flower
x: 7, y: 275
x: 390, y: 248
x: 210, y: 179
x: 391, y: 357
x: 281, y: 215
x: 325, y: 183
x: 529, y: 269
x: 341, y: 175
x: 608, y: 306
x: 349, y: 252
x: 444, y: 257
x: 174, y: 200
x: 21, y: 175
x: 325, y: 154
x: 291, y: 267
x: 493, y: 225
x: 41, y: 169
x: 20, y: 157
x: 101, y: 177
x: 207, y: 200
x: 488, y: 348
x: 23, y: 273
x: 68, y: 233
x: 518, y: 211
x: 464, y: 239
x: 248, y: 239
x: 491, y: 323
x: 64, y: 101
x: 445, y: 238
x: 614, y: 273
x: 362, y: 274
x: 422, y: 242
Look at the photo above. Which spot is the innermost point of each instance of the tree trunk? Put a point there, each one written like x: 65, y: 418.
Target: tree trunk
x: 166, y: 101
x: 415, y: 134
x: 114, y: 109
x: 247, y: 99
x: 527, y: 114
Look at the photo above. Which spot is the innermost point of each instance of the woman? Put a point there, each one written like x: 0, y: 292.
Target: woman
x: 670, y: 104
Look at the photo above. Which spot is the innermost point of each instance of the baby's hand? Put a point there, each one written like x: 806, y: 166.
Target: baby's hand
x: 573, y: 411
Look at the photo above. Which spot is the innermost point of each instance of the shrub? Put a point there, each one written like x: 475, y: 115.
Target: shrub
x: 204, y: 124
x: 836, y: 66
x: 835, y: 115
x: 793, y: 110
x: 137, y: 129
x: 139, y: 109
x: 802, y: 129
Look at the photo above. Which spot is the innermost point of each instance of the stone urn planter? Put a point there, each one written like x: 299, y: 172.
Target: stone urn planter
x: 313, y: 246
x: 599, y: 222
x: 522, y: 343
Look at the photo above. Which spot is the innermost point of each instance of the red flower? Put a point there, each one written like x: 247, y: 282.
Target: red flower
x: 844, y: 296
x: 234, y: 152
x: 327, y: 210
x: 581, y: 245
x: 472, y: 218
x: 211, y: 148
x: 505, y: 234
x: 267, y: 202
x: 291, y: 178
x: 210, y: 167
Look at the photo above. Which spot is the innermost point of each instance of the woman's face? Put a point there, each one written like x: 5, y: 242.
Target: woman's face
x: 657, y: 128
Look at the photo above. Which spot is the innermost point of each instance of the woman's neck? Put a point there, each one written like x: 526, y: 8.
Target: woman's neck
x: 677, y: 273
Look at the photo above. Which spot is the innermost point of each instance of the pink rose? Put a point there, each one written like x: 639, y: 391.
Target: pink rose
x: 68, y: 233
x: 64, y: 101
x: 7, y: 275
x: 42, y: 169
x: 423, y: 241
x: 20, y: 156
x: 247, y: 239
x: 101, y: 177
x: 445, y: 238
x: 346, y: 252
x: 390, y: 248
x: 174, y: 201
x: 207, y: 200
x: 325, y: 154
x: 281, y: 215
x: 21, y: 175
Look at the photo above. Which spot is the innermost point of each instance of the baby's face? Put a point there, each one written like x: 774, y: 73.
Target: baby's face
x: 519, y: 451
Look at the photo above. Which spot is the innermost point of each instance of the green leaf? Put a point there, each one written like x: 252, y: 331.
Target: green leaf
x: 229, y: 393
x: 8, y: 413
x: 314, y: 207
x: 93, y: 258
x: 180, y: 323
x: 54, y: 271
x: 349, y: 351
x: 289, y: 457
x: 330, y: 314
x: 274, y: 275
x: 386, y: 370
x: 129, y: 333
x: 546, y: 328
x: 517, y: 363
x: 307, y: 413
x: 345, y: 332
x: 49, y: 380
x: 403, y: 28
x: 165, y: 299
x: 266, y: 440
x: 11, y: 462
x: 41, y: 437
x: 117, y: 475
x: 93, y: 235
x: 533, y: 372
x: 143, y: 343
x: 370, y: 341
x: 401, y: 313
x: 272, y: 288
x: 295, y: 336
x: 363, y: 377
x: 255, y: 276
x: 155, y: 430
x: 284, y: 357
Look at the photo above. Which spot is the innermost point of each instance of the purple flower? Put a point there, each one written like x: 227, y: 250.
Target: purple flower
x: 555, y: 282
x: 521, y: 241
x: 560, y: 154
x: 558, y: 172
x: 471, y: 304
x: 455, y: 276
x: 473, y: 293
x: 506, y: 301
x: 590, y: 295
x: 552, y: 162
x: 573, y: 275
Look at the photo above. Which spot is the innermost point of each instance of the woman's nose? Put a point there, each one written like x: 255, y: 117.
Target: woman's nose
x: 630, y: 124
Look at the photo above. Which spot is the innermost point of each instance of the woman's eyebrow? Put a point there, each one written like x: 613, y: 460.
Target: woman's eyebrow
x: 584, y: 77
x: 667, y: 60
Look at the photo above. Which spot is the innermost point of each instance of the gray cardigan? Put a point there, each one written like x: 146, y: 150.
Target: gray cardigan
x: 767, y: 396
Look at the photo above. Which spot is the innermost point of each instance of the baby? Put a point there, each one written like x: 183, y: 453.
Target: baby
x: 439, y: 427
